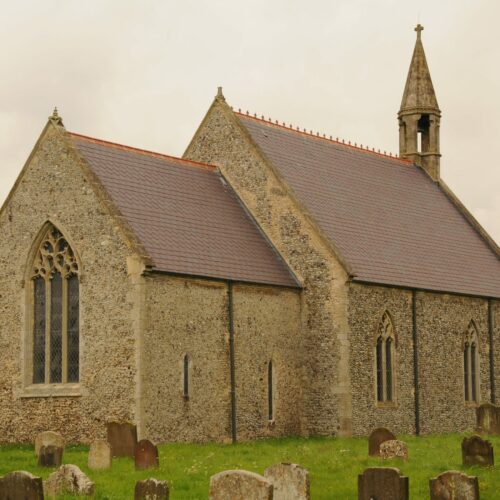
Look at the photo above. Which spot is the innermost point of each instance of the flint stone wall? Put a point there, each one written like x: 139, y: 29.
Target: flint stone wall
x: 54, y: 187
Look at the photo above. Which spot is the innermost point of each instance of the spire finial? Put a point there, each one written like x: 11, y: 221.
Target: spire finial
x: 419, y: 28
x: 220, y: 95
x: 55, y: 118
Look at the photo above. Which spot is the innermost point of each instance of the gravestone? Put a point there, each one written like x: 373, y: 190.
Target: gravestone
x: 122, y: 437
x: 477, y: 451
x: 50, y: 456
x: 290, y: 481
x: 394, y: 449
x: 454, y: 485
x: 48, y: 438
x: 488, y: 418
x: 377, y: 437
x: 68, y: 479
x: 21, y: 485
x: 382, y: 483
x: 99, y: 456
x: 240, y: 485
x: 151, y: 489
x: 146, y: 455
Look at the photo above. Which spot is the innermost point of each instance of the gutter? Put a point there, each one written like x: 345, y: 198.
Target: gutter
x: 415, y: 361
x: 232, y: 362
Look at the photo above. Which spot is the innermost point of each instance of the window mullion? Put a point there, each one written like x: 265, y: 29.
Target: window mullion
x: 384, y: 371
x: 469, y: 358
x: 64, y: 330
x: 48, y: 303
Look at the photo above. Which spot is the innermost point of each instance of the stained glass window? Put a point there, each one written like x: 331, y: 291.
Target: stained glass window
x: 384, y: 360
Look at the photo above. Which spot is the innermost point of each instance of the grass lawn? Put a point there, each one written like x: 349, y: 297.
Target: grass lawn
x: 333, y: 463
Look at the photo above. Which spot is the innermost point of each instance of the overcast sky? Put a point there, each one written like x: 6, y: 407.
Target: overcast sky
x: 144, y: 73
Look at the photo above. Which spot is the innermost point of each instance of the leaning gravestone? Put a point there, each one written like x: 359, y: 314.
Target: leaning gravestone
x: 21, y: 485
x: 382, y: 483
x: 454, y: 485
x: 290, y: 481
x: 477, y: 451
x: 488, y: 418
x: 50, y: 456
x: 240, y: 485
x: 146, y: 455
x: 151, y: 489
x: 99, y: 456
x: 377, y: 437
x: 394, y: 449
x: 122, y: 437
x: 48, y: 438
x: 68, y: 479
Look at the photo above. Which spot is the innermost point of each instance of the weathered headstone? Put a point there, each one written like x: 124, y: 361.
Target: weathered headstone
x: 99, y: 455
x: 454, y: 485
x: 377, y: 437
x: 382, y: 483
x: 68, y: 479
x: 122, y: 437
x: 394, y: 449
x: 21, y: 485
x: 48, y: 438
x: 50, y: 456
x: 488, y: 418
x: 290, y: 481
x: 146, y: 455
x: 477, y: 451
x: 240, y: 485
x: 151, y: 489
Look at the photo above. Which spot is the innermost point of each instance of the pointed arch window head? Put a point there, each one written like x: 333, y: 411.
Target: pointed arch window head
x: 56, y: 300
x: 471, y: 364
x: 384, y: 360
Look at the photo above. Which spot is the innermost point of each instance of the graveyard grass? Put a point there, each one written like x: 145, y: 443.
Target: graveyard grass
x: 333, y: 463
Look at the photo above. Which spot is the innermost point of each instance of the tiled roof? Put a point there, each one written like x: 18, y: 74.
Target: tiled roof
x: 187, y: 218
x: 391, y: 223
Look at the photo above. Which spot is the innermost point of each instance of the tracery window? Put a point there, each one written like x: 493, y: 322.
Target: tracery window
x: 471, y: 364
x: 56, y: 302
x: 384, y: 360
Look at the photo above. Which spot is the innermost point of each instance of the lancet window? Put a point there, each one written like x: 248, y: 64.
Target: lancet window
x: 56, y: 311
x: 384, y: 360
x: 185, y: 388
x: 270, y: 395
x: 471, y: 364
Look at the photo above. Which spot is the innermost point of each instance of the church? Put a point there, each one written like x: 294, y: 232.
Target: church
x: 272, y: 282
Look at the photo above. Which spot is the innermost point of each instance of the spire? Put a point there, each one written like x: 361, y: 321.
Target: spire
x: 419, y: 115
x: 419, y: 91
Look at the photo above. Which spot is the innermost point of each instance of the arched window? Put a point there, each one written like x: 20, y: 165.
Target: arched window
x: 471, y: 364
x: 384, y: 360
x: 186, y: 377
x: 270, y: 396
x: 56, y: 301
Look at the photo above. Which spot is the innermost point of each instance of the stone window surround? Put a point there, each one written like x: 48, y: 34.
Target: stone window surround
x: 471, y: 337
x: 385, y: 330
x: 29, y: 389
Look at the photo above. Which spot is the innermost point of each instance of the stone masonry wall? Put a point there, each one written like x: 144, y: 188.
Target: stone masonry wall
x: 496, y: 347
x: 190, y: 316
x: 221, y: 141
x: 442, y: 321
x: 54, y: 187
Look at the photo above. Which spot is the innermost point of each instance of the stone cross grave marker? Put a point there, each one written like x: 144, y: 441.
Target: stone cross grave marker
x: 69, y: 479
x: 477, y: 451
x: 454, y: 485
x: 48, y: 438
x: 240, y: 485
x: 122, y: 437
x: 290, y: 481
x: 50, y: 456
x: 377, y: 437
x: 488, y: 418
x: 99, y: 455
x: 21, y: 485
x: 146, y: 455
x: 382, y: 483
x: 151, y: 489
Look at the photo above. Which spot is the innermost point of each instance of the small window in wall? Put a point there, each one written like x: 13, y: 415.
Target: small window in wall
x: 270, y: 395
x: 471, y: 363
x: 384, y: 360
x: 186, y: 377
